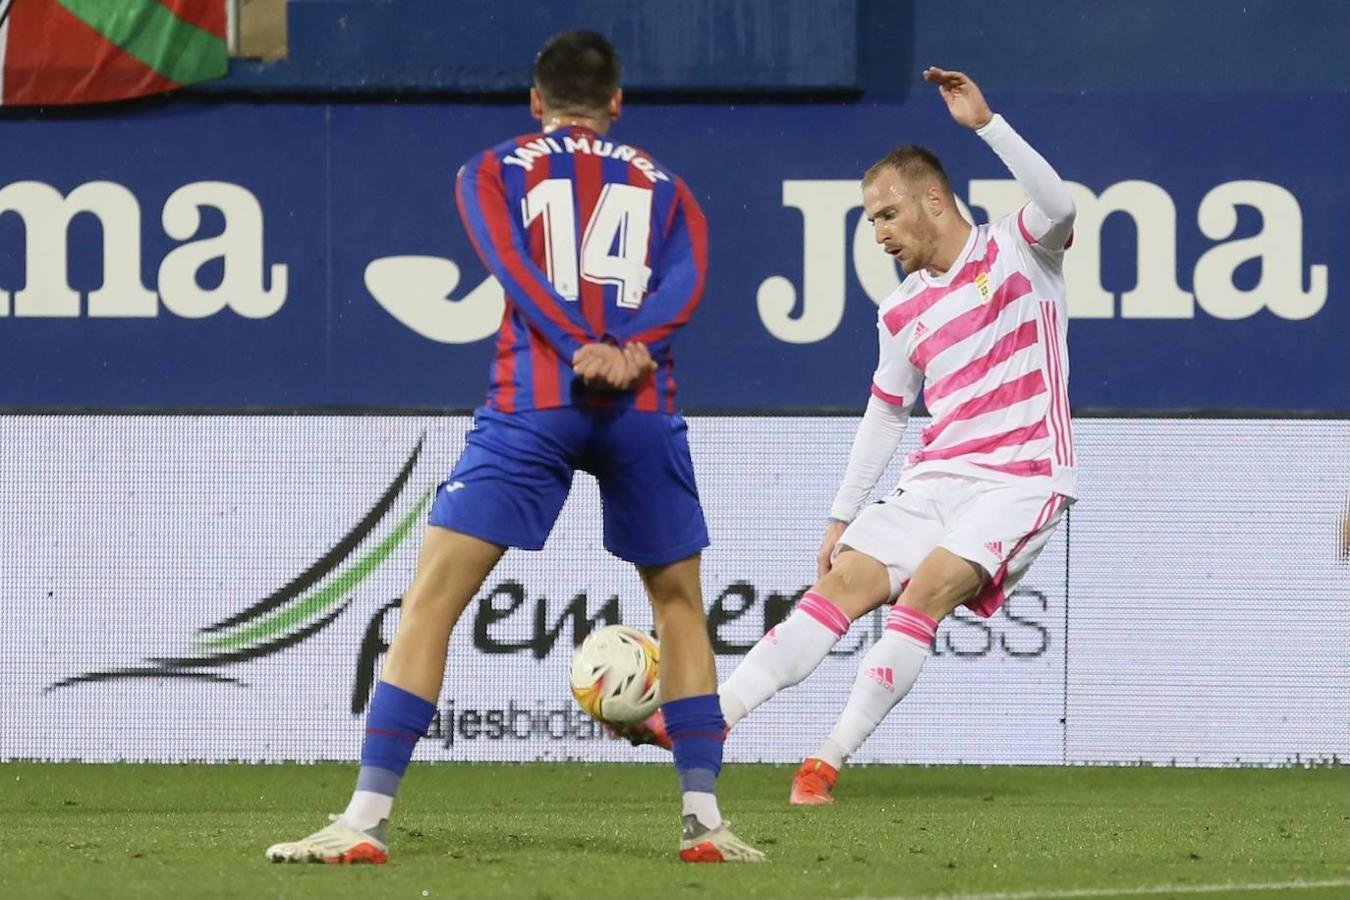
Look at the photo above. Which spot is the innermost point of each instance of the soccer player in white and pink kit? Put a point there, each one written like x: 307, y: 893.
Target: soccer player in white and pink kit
x: 979, y: 325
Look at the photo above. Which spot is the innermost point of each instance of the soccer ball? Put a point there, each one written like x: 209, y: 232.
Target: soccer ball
x: 615, y: 675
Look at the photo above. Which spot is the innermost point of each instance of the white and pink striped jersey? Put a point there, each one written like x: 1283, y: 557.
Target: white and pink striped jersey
x: 987, y: 343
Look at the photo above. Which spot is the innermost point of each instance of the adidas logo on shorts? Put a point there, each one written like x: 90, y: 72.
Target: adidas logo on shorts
x: 995, y: 547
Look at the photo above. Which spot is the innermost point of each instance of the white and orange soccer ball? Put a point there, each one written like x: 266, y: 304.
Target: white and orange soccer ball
x: 616, y: 675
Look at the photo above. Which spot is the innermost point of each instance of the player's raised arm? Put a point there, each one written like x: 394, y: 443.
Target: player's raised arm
x: 677, y: 279
x: 1048, y: 219
x: 492, y: 227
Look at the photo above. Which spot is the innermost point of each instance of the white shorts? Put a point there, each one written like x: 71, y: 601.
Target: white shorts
x: 1000, y: 527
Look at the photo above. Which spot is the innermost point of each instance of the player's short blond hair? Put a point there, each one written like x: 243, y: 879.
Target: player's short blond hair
x: 914, y: 163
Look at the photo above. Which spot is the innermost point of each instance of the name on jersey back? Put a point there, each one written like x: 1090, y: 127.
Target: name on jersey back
x: 525, y: 155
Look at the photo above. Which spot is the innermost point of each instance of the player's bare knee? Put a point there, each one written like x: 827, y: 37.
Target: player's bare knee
x: 943, y: 582
x: 856, y: 583
x: 673, y: 595
x: 936, y: 606
x: 451, y: 567
x: 673, y: 587
x: 937, y: 600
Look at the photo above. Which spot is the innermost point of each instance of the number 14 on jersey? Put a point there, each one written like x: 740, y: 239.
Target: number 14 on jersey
x: 614, y: 247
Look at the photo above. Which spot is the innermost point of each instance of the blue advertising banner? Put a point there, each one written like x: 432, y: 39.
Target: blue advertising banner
x: 287, y: 255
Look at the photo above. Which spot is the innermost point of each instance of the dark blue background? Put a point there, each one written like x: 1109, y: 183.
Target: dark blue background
x: 345, y: 183
x: 802, y: 47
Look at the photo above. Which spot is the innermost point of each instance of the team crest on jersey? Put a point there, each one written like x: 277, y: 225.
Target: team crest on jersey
x: 982, y: 283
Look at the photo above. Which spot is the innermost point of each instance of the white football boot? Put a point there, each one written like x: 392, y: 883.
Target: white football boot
x: 337, y: 843
x: 701, y: 844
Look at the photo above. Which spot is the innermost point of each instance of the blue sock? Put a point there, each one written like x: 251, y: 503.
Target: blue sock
x: 697, y: 731
x: 397, y: 719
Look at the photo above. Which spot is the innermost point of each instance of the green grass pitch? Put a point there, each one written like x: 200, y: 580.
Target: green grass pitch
x: 577, y: 830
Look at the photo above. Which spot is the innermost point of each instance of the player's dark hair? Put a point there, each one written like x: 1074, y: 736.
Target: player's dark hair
x: 914, y: 163
x: 577, y: 72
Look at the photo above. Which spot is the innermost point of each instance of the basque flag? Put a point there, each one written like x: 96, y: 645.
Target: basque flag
x: 92, y: 51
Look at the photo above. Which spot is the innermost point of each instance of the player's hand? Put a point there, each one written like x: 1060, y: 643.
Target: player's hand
x: 833, y: 532
x: 640, y: 362
x: 963, y: 97
x: 606, y: 367
x: 600, y: 365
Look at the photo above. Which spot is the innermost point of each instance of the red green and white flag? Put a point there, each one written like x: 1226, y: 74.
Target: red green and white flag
x: 91, y: 51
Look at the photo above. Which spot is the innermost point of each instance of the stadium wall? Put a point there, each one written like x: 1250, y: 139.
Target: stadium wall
x: 809, y: 48
x: 222, y: 587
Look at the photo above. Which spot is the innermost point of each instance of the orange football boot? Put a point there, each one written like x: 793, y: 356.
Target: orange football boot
x: 814, y: 783
x: 651, y: 730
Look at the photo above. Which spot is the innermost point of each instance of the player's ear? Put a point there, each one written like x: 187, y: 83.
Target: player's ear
x: 616, y: 105
x: 536, y: 103
x: 933, y: 199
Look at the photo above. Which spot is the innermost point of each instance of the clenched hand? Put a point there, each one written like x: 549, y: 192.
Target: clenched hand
x: 607, y: 367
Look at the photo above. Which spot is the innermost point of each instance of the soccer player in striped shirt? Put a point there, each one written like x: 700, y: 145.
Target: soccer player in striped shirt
x: 979, y: 326
x: 602, y: 253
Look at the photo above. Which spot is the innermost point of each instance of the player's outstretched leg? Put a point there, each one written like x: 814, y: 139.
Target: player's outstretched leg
x: 783, y: 657
x: 450, y: 569
x: 692, y: 713
x: 889, y: 670
x: 794, y: 648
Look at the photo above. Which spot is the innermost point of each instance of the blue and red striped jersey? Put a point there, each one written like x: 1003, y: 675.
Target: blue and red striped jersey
x: 592, y: 240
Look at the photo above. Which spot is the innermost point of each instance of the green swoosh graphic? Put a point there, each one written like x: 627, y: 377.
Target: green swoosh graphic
x: 329, y: 562
x: 315, y: 603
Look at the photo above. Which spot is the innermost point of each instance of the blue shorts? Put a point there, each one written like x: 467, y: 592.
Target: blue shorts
x: 513, y: 477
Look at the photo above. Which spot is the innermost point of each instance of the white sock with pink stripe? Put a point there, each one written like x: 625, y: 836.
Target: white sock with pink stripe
x: 785, y: 655
x: 885, y: 676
